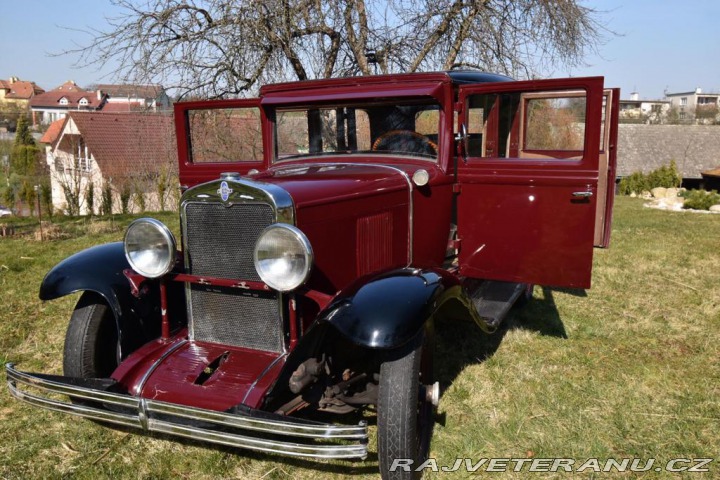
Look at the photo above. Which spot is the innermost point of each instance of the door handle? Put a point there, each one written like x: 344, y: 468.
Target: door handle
x: 582, y: 194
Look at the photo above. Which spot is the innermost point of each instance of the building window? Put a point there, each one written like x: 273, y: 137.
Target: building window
x: 83, y: 102
x: 683, y: 101
x: 63, y: 101
x: 682, y: 115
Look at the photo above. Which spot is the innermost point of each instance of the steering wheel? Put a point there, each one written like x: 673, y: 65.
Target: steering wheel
x: 405, y: 141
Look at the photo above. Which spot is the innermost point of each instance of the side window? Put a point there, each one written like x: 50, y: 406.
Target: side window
x: 555, y: 124
x: 225, y: 135
x: 548, y: 125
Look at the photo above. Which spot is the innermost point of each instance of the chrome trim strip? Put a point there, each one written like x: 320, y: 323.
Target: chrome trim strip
x: 79, y: 410
x: 263, y: 445
x: 244, y: 191
x: 260, y: 425
x: 262, y: 374
x: 145, y: 412
x: 139, y: 387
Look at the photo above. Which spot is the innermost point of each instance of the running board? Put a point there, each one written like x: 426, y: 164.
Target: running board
x: 493, y: 299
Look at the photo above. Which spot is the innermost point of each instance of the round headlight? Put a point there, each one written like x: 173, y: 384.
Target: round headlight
x: 283, y: 257
x: 150, y: 247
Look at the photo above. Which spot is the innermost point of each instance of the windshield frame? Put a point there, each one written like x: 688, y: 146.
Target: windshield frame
x: 426, y: 147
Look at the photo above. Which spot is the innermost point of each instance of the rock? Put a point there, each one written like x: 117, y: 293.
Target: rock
x: 715, y: 208
x: 633, y: 195
x: 645, y: 194
x: 672, y: 192
x: 658, y: 192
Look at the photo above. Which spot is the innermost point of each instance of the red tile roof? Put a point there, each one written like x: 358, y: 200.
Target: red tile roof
x: 122, y: 107
x: 53, y: 97
x: 68, y: 86
x: 52, y: 134
x: 20, y: 89
x: 126, y: 144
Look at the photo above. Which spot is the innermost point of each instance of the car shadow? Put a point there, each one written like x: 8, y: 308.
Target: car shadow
x: 459, y: 342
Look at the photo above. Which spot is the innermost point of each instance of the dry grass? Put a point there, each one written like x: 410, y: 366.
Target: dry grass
x: 630, y: 368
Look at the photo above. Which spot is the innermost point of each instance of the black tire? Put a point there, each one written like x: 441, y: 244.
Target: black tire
x: 91, y: 341
x: 404, y: 419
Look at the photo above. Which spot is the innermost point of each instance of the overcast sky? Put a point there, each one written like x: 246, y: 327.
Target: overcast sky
x: 661, y: 44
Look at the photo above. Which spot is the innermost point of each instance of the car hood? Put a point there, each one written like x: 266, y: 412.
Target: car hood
x: 313, y: 184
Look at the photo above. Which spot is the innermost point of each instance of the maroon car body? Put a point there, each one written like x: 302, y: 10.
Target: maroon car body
x: 415, y: 196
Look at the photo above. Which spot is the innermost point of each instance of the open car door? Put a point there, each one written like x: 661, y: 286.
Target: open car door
x: 219, y: 136
x: 529, y: 190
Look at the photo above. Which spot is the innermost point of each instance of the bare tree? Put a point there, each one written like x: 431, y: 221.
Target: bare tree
x: 225, y: 48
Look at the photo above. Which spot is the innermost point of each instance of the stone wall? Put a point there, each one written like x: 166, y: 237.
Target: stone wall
x: 694, y: 148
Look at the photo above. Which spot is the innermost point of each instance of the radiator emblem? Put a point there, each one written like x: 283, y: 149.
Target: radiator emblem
x: 224, y: 191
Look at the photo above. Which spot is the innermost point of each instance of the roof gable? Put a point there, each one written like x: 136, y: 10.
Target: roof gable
x: 52, y: 134
x: 127, y: 144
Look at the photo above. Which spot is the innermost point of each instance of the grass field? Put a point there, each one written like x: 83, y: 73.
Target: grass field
x: 628, y: 369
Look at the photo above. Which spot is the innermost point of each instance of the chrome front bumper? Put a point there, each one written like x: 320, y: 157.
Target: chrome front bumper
x: 254, y: 430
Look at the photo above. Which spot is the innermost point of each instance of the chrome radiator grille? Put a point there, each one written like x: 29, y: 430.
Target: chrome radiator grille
x: 219, y: 242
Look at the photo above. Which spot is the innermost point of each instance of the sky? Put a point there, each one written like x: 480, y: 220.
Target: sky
x: 656, y: 45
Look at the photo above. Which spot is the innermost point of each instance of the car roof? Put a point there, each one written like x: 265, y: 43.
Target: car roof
x: 460, y: 77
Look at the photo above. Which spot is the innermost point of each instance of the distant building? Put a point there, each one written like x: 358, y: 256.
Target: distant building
x: 55, y: 104
x: 128, y: 97
x: 15, y: 95
x: 689, y: 103
x: 128, y: 152
x: 643, y: 111
x: 18, y: 91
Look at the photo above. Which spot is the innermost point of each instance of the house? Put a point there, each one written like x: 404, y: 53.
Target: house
x: 129, y: 97
x: 129, y: 158
x: 55, y: 104
x: 15, y: 95
x: 18, y: 92
x: 636, y: 110
x: 690, y: 104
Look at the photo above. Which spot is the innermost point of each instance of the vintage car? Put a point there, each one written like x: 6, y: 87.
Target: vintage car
x: 324, y: 227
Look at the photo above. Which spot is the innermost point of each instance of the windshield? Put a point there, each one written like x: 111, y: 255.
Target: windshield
x: 387, y: 128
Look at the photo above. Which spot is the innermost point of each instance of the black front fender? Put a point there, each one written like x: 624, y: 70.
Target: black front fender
x: 100, y: 270
x: 390, y: 309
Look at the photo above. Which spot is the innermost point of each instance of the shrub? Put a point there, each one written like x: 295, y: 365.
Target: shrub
x: 701, y: 199
x: 90, y: 195
x: 107, y: 200
x: 125, y: 193
x: 635, y: 182
x: 666, y: 176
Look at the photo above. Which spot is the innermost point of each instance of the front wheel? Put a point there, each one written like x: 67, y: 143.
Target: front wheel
x: 91, y: 341
x: 404, y: 418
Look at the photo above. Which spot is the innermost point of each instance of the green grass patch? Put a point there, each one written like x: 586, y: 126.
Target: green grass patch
x: 628, y: 369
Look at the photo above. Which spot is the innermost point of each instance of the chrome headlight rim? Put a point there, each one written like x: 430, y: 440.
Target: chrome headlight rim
x: 306, y: 250
x: 169, y: 243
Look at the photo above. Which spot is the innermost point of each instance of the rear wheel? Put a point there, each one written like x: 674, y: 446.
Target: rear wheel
x: 404, y: 411
x: 91, y: 341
